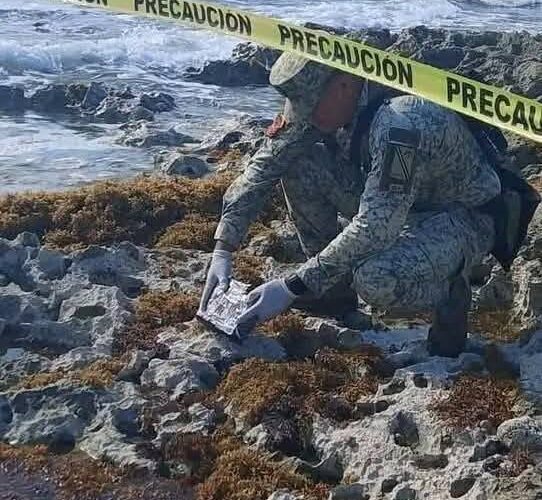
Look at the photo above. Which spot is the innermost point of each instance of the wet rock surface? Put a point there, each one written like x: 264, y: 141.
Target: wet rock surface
x: 249, y: 65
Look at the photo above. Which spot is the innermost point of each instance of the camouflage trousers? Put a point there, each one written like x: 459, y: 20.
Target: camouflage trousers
x: 414, y: 272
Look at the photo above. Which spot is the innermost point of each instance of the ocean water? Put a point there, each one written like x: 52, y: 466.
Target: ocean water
x: 47, y: 41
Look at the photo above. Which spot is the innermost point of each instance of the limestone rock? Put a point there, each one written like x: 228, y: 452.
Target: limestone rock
x: 56, y: 335
x: 522, y: 433
x: 101, y: 309
x: 143, y: 135
x: 17, y: 306
x: 109, y: 436
x: 201, y: 420
x: 180, y: 376
x: 249, y: 65
x: 13, y: 255
x: 94, y: 96
x: 16, y: 364
x: 77, y: 358
x: 52, y: 264
x: 136, y: 365
x: 116, y: 110
x: 41, y: 415
x: 244, y: 134
x: 180, y: 164
x: 157, y: 102
x: 218, y: 350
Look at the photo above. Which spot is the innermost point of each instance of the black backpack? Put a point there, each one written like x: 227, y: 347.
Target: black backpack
x: 512, y: 210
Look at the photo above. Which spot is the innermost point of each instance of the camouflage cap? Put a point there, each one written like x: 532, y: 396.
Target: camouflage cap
x: 301, y: 80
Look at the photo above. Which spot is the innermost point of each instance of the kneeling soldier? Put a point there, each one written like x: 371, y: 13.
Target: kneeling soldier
x: 410, y: 178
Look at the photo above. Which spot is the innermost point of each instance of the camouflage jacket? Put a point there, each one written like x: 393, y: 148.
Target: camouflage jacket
x: 419, y: 157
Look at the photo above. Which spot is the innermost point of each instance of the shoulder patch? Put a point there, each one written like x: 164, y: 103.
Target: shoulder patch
x: 399, y: 161
x: 279, y: 124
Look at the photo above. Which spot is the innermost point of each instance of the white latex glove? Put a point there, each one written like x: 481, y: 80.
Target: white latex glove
x: 219, y: 274
x: 265, y: 302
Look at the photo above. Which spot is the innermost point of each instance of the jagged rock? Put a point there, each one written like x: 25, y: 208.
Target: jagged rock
x: 108, y: 438
x: 218, y: 349
x: 53, y: 264
x: 18, y: 363
x: 201, y: 420
x: 104, y: 310
x: 180, y: 376
x: 111, y: 266
x: 13, y: 255
x: 104, y: 265
x: 52, y: 334
x: 354, y: 491
x: 522, y: 433
x: 17, y: 306
x: 41, y: 415
x: 176, y: 163
x: 144, y: 135
x: 77, y: 358
x: 136, y: 365
x: 116, y: 110
x: 249, y: 65
x: 441, y: 369
x: 94, y: 96
x: 75, y: 93
x: 244, y: 133
x: 11, y: 99
x: 157, y: 102
x: 50, y: 99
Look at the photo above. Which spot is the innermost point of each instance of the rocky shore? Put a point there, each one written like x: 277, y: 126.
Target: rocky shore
x: 110, y: 389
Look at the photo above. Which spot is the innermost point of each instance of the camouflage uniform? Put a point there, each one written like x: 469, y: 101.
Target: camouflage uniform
x: 413, y: 219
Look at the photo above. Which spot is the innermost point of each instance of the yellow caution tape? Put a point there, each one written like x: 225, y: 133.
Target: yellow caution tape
x: 484, y: 102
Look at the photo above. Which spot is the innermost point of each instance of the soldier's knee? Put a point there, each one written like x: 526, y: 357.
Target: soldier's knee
x: 377, y: 284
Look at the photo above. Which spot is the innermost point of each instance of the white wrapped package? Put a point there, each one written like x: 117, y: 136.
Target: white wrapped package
x: 224, y: 309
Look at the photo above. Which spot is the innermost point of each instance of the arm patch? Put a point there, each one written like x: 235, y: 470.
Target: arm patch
x: 399, y: 164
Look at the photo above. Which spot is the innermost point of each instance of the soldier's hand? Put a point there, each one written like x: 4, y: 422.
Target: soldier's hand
x: 219, y: 274
x: 265, y: 302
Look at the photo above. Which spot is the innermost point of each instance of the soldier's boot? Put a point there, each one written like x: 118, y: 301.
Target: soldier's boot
x: 448, y: 333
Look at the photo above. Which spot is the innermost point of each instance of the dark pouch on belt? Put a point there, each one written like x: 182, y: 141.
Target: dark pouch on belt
x: 512, y: 212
